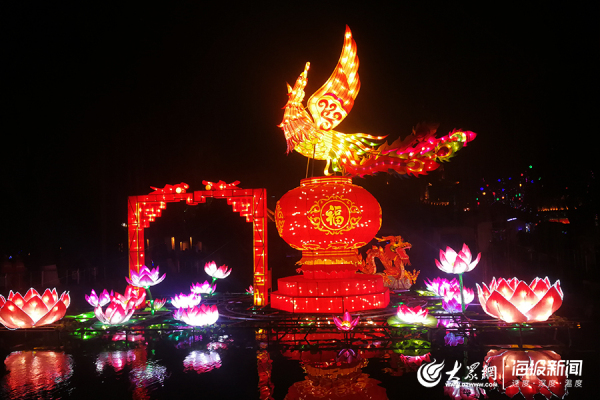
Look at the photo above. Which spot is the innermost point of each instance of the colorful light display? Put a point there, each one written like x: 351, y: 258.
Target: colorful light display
x: 454, y: 263
x: 528, y: 372
x: 204, y: 288
x: 412, y: 316
x: 221, y: 272
x: 158, y: 304
x: 359, y: 154
x: 346, y: 323
x: 201, y: 315
x: 121, y: 307
x: 145, y: 277
x: 186, y: 300
x: 328, y: 219
x: 250, y: 203
x: 516, y: 301
x: 99, y: 301
x: 17, y: 312
x: 115, y: 313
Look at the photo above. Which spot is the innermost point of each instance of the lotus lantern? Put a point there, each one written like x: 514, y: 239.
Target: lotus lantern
x: 221, y: 272
x: 101, y: 300
x: 346, y: 323
x: 515, y: 301
x: 454, y: 263
x: 204, y: 288
x: 18, y: 312
x: 145, y: 277
x: 201, y: 315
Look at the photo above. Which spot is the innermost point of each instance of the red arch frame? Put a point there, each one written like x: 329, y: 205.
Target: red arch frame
x: 250, y: 203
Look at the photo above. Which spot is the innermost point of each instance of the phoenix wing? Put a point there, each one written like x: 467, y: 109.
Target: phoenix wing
x: 333, y: 101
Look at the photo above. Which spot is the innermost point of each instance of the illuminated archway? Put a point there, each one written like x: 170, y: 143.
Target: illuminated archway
x: 250, y: 203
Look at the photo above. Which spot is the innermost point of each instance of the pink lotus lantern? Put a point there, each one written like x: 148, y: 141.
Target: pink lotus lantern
x: 198, y: 316
x: 250, y: 290
x: 145, y: 278
x: 158, y: 304
x: 515, y: 301
x: 346, y: 323
x: 449, y: 290
x: 440, y: 286
x: 453, y: 263
x: 204, y: 288
x: 121, y: 307
x: 414, y: 315
x: 133, y: 298
x: 460, y: 263
x: 18, y: 312
x: 115, y: 313
x: 452, y: 300
x: 186, y: 300
x: 452, y: 306
x: 217, y: 273
x: 101, y: 300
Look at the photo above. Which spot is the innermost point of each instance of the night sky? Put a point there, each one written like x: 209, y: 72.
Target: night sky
x: 101, y: 102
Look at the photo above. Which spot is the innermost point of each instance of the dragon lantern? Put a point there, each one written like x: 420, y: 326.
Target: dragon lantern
x: 394, y: 259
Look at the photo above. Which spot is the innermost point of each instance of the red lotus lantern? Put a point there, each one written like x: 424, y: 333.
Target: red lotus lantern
x: 328, y: 219
x: 527, y: 372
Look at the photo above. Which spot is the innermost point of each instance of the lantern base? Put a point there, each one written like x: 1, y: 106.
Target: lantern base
x: 297, y: 294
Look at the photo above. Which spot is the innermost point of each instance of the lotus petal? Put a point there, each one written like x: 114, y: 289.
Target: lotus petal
x: 499, y: 307
x: 35, y: 308
x: 56, y: 313
x: 546, y: 306
x: 30, y: 294
x: 523, y: 297
x: 13, y: 317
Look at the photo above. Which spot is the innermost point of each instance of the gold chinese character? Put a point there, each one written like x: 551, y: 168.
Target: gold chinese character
x: 334, y: 215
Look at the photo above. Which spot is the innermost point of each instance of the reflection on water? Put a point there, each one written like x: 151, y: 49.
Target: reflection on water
x: 202, y: 361
x: 145, y: 375
x: 335, y: 374
x: 119, y: 359
x: 333, y: 368
x: 36, y: 374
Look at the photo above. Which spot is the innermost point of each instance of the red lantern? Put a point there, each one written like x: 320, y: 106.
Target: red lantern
x: 329, y: 218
